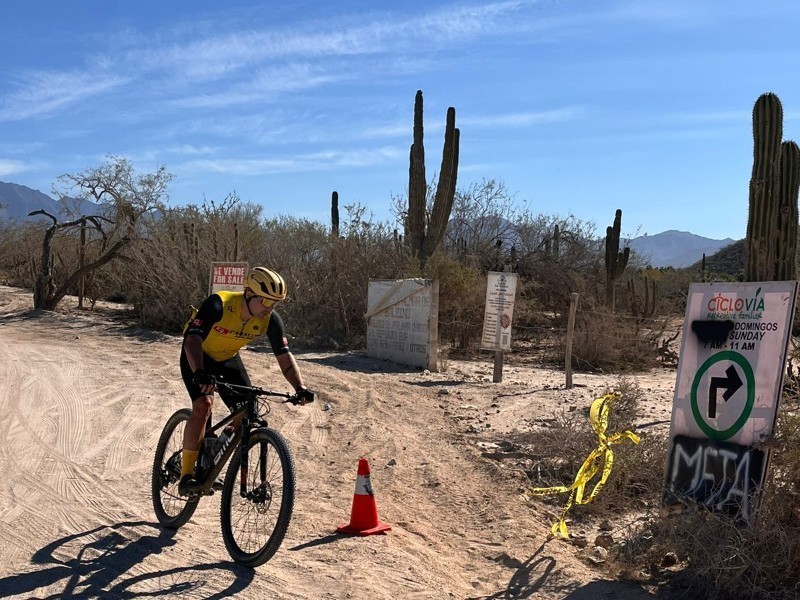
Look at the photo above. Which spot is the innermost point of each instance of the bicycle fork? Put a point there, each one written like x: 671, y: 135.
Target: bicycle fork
x: 245, y: 463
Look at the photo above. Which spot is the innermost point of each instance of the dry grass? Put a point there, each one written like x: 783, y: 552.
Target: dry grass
x: 703, y: 555
x: 697, y: 554
x: 555, y: 454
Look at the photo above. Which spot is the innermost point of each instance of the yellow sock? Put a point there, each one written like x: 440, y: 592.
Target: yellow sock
x: 188, y: 458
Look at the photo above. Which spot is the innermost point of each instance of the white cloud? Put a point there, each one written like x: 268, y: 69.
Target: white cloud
x: 44, y: 93
x: 384, y: 131
x: 11, y: 166
x: 318, y: 53
x: 267, y: 83
x: 318, y: 161
x: 521, y: 119
x: 189, y: 149
x: 219, y: 55
x: 514, y: 120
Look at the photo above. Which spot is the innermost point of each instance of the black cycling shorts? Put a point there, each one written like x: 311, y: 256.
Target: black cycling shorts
x: 231, y: 371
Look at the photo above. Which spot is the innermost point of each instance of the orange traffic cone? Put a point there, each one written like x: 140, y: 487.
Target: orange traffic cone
x: 364, y: 514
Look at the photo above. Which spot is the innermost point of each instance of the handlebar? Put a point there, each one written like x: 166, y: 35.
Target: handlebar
x: 245, y: 390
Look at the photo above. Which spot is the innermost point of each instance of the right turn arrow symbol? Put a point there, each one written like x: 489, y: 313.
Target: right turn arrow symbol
x: 731, y: 383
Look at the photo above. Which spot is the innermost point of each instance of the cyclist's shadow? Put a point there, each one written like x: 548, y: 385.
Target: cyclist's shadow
x: 93, y: 564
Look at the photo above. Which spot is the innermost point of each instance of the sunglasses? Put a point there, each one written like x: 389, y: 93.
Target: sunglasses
x: 267, y: 303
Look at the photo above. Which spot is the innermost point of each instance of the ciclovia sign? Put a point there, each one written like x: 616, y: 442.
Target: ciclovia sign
x: 729, y: 382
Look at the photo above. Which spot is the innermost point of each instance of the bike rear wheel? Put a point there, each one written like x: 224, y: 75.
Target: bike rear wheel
x: 172, y: 510
x: 254, y: 526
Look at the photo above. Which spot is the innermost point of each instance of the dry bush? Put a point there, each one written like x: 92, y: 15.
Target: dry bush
x: 672, y: 288
x: 328, y: 277
x: 20, y: 249
x: 167, y: 270
x: 703, y: 555
x: 462, y: 297
x: 616, y: 342
x: 554, y: 455
x: 21, y: 253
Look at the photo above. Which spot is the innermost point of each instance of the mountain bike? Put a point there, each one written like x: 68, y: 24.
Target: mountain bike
x: 259, y: 486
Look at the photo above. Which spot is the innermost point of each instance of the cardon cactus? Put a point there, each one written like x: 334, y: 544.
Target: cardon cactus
x: 616, y: 261
x: 786, y: 244
x: 335, y: 214
x: 422, y: 237
x: 648, y: 308
x: 556, y: 242
x: 762, y: 215
x: 771, y: 242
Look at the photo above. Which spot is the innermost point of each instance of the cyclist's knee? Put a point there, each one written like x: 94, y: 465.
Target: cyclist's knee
x: 201, y: 407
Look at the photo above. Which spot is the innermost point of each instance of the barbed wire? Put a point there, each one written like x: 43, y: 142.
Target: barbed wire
x: 621, y: 316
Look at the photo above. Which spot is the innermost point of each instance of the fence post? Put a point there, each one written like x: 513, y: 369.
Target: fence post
x: 497, y: 374
x: 81, y: 261
x: 573, y: 306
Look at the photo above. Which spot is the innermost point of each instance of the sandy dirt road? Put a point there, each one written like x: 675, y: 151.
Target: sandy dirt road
x: 83, y: 401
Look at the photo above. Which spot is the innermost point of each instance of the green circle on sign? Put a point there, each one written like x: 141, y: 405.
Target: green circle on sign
x: 749, y: 403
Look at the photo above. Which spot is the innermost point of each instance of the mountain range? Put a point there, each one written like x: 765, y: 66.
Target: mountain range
x: 18, y: 201
x: 667, y: 249
x: 676, y: 248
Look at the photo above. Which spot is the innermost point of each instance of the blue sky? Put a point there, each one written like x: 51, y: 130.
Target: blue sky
x: 578, y: 107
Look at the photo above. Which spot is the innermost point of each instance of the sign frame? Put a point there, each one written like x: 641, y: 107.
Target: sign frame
x: 728, y: 389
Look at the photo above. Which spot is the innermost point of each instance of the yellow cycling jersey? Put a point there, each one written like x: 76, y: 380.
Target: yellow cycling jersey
x: 228, y: 333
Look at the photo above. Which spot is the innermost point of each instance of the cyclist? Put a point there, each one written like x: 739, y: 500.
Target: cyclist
x: 224, y: 323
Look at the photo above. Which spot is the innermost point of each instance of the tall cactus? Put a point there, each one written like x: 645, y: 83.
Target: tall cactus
x: 763, y: 210
x: 786, y: 250
x: 616, y: 261
x: 648, y: 306
x: 424, y: 237
x: 771, y: 243
x: 335, y: 214
x: 556, y: 242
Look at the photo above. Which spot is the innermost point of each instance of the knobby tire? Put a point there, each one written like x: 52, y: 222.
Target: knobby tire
x: 172, y: 510
x: 254, y: 528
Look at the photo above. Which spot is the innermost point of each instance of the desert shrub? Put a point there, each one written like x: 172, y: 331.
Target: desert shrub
x: 167, y: 269
x: 462, y: 296
x: 555, y: 454
x: 329, y: 277
x: 614, y: 341
x: 672, y: 288
x: 704, y: 555
x: 20, y: 248
x: 21, y: 253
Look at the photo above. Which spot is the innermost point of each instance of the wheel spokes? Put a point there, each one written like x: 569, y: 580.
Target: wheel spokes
x: 253, y: 517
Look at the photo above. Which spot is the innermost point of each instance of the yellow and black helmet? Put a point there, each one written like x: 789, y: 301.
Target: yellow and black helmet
x: 266, y: 284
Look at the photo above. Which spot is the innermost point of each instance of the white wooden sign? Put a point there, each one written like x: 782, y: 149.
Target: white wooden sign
x: 500, y: 291
x: 403, y: 321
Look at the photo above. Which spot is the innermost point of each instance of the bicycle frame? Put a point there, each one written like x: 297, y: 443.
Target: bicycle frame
x: 248, y: 410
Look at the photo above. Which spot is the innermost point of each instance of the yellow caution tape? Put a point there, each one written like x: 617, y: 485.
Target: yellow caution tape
x: 602, y: 455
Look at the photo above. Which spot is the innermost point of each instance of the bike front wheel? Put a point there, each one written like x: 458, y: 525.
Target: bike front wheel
x: 172, y: 510
x: 255, y: 523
